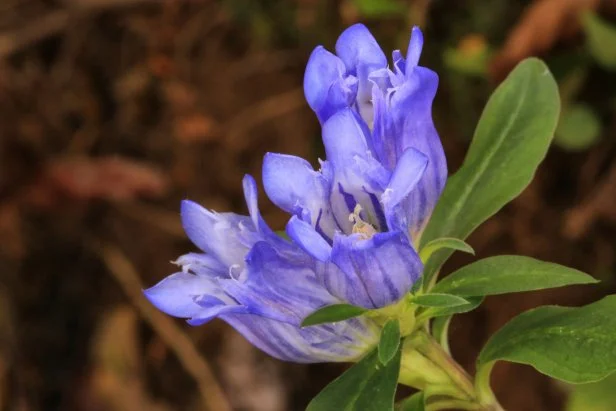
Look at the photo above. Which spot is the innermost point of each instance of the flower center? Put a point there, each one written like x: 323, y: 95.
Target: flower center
x: 364, y: 229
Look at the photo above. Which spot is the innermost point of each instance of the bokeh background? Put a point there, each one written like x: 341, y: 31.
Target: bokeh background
x: 112, y: 111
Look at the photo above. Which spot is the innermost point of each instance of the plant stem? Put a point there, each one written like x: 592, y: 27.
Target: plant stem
x: 450, y: 404
x: 427, y: 366
x: 484, y: 391
x: 434, y: 352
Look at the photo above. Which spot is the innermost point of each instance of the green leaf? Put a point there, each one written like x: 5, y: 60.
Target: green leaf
x: 511, y: 139
x: 438, y: 300
x: 332, y: 314
x: 576, y: 345
x: 366, y: 386
x: 578, y: 129
x: 415, y: 402
x: 446, y: 242
x: 509, y: 274
x: 597, y: 396
x: 601, y: 37
x: 389, y: 342
x: 379, y: 8
x: 473, y: 302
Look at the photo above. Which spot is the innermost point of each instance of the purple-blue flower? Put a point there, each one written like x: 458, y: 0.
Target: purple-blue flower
x: 259, y: 283
x: 354, y: 223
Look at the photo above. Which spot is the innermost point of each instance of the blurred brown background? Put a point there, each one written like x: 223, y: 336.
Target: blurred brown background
x: 112, y: 111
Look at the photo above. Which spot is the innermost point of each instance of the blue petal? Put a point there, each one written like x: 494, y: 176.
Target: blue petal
x: 176, y: 294
x: 361, y: 55
x: 386, y: 264
x: 359, y: 50
x: 416, y: 94
x: 251, y: 196
x: 226, y: 236
x: 326, y: 86
x: 399, y: 63
x: 383, y: 131
x: 202, y: 264
x: 411, y: 108
x: 344, y: 284
x: 292, y: 184
x: 279, y: 288
x: 213, y: 307
x: 264, y: 231
x: 358, y: 177
x: 304, y: 235
x: 414, y: 50
x: 407, y: 174
x: 344, y: 137
x: 341, y: 342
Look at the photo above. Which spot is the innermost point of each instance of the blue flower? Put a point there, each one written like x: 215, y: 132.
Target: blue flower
x: 393, y: 124
x: 260, y: 284
x: 355, y: 222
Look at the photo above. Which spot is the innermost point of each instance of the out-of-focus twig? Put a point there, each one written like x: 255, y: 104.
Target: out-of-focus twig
x: 117, y: 382
x: 7, y: 340
x: 54, y: 21
x: 125, y: 274
x: 261, y: 112
x: 35, y: 30
x: 600, y: 203
x: 541, y: 26
x: 164, y: 220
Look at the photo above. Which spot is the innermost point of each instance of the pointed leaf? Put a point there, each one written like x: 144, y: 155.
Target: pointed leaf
x: 576, y: 345
x: 366, y: 386
x: 511, y: 139
x: 332, y: 314
x: 473, y: 302
x: 389, y: 342
x: 509, y: 274
x: 439, y: 300
x: 445, y: 242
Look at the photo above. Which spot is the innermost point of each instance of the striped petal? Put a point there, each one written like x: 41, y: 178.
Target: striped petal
x: 357, y: 177
x: 176, y: 295
x: 341, y: 342
x: 226, y: 236
x: 409, y: 172
x: 279, y: 288
x: 411, y: 109
x: 386, y: 265
x: 305, y: 236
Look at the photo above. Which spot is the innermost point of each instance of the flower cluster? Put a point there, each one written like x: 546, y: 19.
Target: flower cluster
x: 354, y: 225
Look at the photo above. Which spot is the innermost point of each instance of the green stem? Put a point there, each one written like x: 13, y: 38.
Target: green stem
x: 434, y: 352
x: 484, y: 391
x: 419, y: 372
x: 452, y: 404
x: 427, y: 366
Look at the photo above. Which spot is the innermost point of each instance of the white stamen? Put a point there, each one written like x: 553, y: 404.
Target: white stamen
x: 365, y: 230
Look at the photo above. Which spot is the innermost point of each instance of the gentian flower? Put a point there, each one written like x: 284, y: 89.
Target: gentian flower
x: 355, y: 223
x: 260, y: 284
